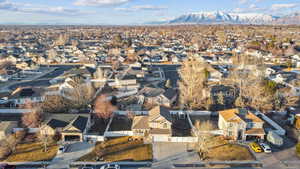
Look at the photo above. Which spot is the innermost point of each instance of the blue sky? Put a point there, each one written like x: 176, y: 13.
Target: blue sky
x: 128, y: 11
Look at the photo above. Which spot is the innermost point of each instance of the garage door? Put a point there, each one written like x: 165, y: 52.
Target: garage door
x: 72, y: 138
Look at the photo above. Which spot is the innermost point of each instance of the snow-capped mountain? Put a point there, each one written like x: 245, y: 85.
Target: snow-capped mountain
x: 289, y: 19
x: 224, y: 17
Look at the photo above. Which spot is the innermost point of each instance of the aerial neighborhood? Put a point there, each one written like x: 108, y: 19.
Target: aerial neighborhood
x: 190, y: 95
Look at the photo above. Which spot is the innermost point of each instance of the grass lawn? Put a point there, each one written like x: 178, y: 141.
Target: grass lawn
x: 120, y: 149
x: 142, y: 153
x: 33, y: 152
x: 229, y: 152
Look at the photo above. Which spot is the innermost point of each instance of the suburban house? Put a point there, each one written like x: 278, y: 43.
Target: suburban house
x: 71, y: 127
x: 140, y: 126
x: 240, y: 124
x: 167, y: 98
x: 22, y: 95
x: 157, y: 124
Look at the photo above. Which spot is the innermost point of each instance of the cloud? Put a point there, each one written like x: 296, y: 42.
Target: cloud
x: 243, y: 1
x: 276, y: 7
x: 100, y: 2
x: 6, y: 5
x: 251, y: 8
x: 142, y: 7
x: 29, y: 8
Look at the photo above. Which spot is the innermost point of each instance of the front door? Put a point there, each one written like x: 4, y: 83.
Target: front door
x: 240, y: 135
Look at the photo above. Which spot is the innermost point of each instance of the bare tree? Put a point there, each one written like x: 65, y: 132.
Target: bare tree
x: 221, y: 99
x: 192, y: 83
x: 80, y: 95
x: 99, y: 74
x: 103, y: 107
x: 56, y: 104
x: 32, y: 118
x: 45, y: 139
x: 254, y: 90
x: 202, y: 132
x: 168, y: 84
x: 52, y: 54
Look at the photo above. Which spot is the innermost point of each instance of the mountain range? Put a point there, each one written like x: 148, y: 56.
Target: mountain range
x: 233, y: 18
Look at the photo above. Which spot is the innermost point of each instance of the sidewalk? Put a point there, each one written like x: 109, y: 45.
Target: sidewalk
x: 74, y: 151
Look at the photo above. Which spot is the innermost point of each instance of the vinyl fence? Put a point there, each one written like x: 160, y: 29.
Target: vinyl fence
x: 94, y: 138
x: 158, y: 138
x: 29, y: 130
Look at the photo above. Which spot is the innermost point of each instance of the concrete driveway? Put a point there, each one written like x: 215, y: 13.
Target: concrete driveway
x: 166, y: 154
x: 281, y: 158
x: 73, y: 152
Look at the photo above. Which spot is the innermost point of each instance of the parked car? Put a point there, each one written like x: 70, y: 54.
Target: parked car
x: 61, y: 149
x: 7, y: 166
x: 265, y: 147
x: 255, y: 147
x: 110, y: 166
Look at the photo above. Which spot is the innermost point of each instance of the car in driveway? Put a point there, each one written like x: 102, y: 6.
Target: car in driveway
x: 110, y: 166
x: 266, y: 148
x: 255, y: 147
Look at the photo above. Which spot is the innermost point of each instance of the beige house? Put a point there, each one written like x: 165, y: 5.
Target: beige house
x: 157, y: 124
x: 240, y: 124
x: 71, y: 127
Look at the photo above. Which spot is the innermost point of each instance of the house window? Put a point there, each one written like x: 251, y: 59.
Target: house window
x: 165, y: 125
x: 229, y: 133
x: 230, y: 124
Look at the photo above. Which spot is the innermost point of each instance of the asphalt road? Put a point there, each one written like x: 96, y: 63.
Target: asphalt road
x: 44, y: 80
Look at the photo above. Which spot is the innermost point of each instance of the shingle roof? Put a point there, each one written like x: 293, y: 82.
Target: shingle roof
x: 62, y: 120
x: 140, y: 122
x: 27, y: 92
x: 160, y: 131
x: 239, y: 115
x: 80, y: 123
x: 159, y: 111
x: 255, y: 131
x: 55, y: 123
x: 170, y: 93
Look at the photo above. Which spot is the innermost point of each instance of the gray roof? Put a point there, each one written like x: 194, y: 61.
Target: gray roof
x: 62, y: 120
x: 170, y: 93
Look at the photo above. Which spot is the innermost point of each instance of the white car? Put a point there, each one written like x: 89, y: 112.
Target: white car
x: 61, y: 149
x: 110, y: 166
x: 265, y: 147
